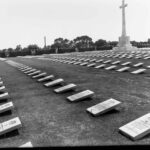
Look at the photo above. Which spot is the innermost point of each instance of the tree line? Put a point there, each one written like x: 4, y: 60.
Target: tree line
x: 63, y: 45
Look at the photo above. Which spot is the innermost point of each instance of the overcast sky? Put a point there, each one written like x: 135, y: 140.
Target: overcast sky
x: 28, y: 21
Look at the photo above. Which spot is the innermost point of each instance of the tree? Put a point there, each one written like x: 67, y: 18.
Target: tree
x: 18, y: 48
x: 100, y: 43
x: 83, y: 42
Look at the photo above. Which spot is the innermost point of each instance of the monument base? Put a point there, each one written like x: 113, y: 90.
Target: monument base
x: 124, y: 44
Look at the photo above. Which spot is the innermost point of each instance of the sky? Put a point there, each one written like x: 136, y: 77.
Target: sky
x: 26, y: 22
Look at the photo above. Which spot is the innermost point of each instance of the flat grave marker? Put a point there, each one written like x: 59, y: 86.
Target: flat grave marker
x: 76, y: 63
x: 107, y: 61
x: 126, y: 63
x: 10, y: 125
x: 5, y: 107
x: 4, y: 96
x: 28, y: 144
x: 103, y: 107
x: 111, y: 67
x: 2, y: 88
x: 23, y: 70
x: 116, y: 62
x: 83, y: 64
x: 137, y: 128
x: 81, y: 95
x: 138, y: 71
x: 39, y: 75
x: 65, y: 88
x: 91, y: 65
x: 29, y: 71
x: 123, y: 69
x: 53, y: 83
x: 138, y: 64
x: 34, y: 73
x: 100, y: 66
x: 100, y: 60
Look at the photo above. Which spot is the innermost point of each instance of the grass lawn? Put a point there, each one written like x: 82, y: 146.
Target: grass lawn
x: 48, y: 119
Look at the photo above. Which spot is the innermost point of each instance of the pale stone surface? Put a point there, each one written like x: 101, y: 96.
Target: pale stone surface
x: 83, y: 64
x: 6, y: 107
x: 138, y: 71
x: 100, y: 66
x: 123, y: 69
x: 91, y: 65
x: 24, y: 70
x: 137, y: 128
x: 80, y: 96
x: 10, y: 125
x: 100, y: 60
x: 55, y: 82
x: 39, y: 75
x: 103, y: 107
x: 126, y: 63
x: 34, y: 73
x: 28, y: 144
x: 110, y: 67
x: 116, y: 62
x: 29, y: 71
x: 4, y: 96
x: 65, y: 88
x: 138, y: 64
x: 2, y: 88
x: 107, y: 61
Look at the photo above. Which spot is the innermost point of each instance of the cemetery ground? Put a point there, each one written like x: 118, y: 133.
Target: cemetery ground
x: 49, y: 119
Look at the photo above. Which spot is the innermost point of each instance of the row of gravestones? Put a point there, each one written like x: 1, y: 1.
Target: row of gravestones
x: 135, y: 129
x: 12, y: 124
x: 93, y: 63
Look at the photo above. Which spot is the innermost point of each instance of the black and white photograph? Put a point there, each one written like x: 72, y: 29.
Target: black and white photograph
x: 74, y: 73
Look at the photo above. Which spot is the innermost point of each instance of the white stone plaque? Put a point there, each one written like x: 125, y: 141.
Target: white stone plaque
x: 107, y: 61
x: 83, y: 64
x: 34, y: 73
x: 39, y: 75
x: 24, y: 70
x: 10, y: 125
x: 65, y: 88
x: 76, y: 63
x: 80, y: 96
x: 100, y: 66
x: 46, y: 78
x: 100, y: 60
x: 138, y: 71
x: 6, y: 107
x: 103, y: 107
x: 4, y: 96
x: 29, y: 71
x: 123, y: 69
x: 115, y: 62
x: 137, y: 128
x: 28, y: 144
x: 138, y: 64
x: 126, y: 63
x: 111, y: 67
x: 55, y: 82
x: 2, y: 88
x: 91, y: 65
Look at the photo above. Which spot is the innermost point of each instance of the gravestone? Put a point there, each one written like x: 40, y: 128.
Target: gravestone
x: 126, y: 63
x: 28, y: 144
x: 138, y: 71
x: 111, y: 67
x: 91, y: 65
x: 29, y: 71
x: 24, y: 70
x: 76, y: 63
x: 115, y: 62
x: 83, y: 64
x: 123, y: 69
x: 53, y: 83
x: 80, y: 96
x: 10, y: 125
x: 4, y: 96
x: 92, y: 60
x: 100, y: 66
x: 39, y: 75
x: 103, y: 107
x: 6, y: 106
x: 100, y: 60
x: 107, y: 61
x: 137, y: 128
x: 2, y: 88
x: 46, y: 78
x: 34, y: 73
x: 65, y: 88
x: 138, y: 64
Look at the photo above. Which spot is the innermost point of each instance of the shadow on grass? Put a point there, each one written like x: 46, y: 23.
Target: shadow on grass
x: 10, y: 134
x: 3, y: 100
x: 6, y: 113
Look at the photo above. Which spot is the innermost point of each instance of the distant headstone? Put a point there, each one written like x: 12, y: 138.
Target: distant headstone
x: 100, y: 66
x: 137, y: 128
x: 10, y: 125
x: 76, y: 63
x: 107, y: 61
x: 4, y: 96
x: 80, y: 96
x: 123, y: 69
x: 53, y: 83
x: 92, y: 60
x: 29, y: 71
x: 65, y: 88
x: 34, y: 73
x: 115, y: 62
x: 138, y: 71
x: 103, y: 107
x: 100, y: 60
x: 24, y: 70
x: 39, y: 75
x: 111, y: 67
x: 28, y: 144
x: 46, y: 78
x: 5, y: 107
x: 91, y: 65
x: 126, y: 63
x: 2, y: 88
x: 138, y: 64
x: 83, y: 64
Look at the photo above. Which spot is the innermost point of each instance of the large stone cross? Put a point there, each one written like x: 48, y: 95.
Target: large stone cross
x: 123, y: 18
